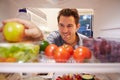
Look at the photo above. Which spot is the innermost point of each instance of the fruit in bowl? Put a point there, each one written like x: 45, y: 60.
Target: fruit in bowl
x: 18, y: 52
x: 13, y: 31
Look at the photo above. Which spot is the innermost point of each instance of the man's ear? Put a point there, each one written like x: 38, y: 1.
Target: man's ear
x: 78, y: 26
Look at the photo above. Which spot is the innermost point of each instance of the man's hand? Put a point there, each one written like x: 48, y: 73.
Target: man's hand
x: 32, y: 32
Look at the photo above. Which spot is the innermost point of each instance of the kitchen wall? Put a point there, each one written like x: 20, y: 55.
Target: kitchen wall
x: 7, y: 10
x: 106, y: 21
x: 52, y: 14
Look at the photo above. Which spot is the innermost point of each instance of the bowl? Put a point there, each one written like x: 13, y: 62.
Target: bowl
x: 19, y: 52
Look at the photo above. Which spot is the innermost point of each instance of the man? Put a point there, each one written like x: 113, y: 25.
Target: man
x: 68, y: 24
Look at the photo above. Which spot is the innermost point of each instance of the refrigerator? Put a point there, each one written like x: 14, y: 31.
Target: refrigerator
x: 107, y: 69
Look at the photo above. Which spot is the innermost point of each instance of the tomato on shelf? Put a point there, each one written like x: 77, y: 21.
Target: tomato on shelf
x: 49, y: 50
x: 88, y: 53
x: 68, y: 48
x: 78, y: 55
x: 64, y: 53
x: 61, y: 54
x: 81, y: 53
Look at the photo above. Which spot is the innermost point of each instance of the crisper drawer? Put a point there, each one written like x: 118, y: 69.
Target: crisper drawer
x: 39, y: 71
x: 87, y: 76
x: 59, y: 76
x: 25, y: 76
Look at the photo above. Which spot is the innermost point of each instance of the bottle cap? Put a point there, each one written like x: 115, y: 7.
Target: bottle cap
x: 23, y: 10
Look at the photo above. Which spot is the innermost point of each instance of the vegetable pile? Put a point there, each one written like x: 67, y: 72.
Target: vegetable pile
x: 65, y: 52
x: 18, y: 52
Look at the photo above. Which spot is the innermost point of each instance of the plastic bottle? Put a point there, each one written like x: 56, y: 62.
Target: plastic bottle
x: 23, y: 14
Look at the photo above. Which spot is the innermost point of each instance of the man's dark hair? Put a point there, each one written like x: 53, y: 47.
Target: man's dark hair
x: 69, y: 12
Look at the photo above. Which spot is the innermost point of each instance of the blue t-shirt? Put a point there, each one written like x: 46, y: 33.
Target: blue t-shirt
x: 55, y: 38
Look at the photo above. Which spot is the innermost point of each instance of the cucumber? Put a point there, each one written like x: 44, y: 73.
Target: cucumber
x: 87, y: 77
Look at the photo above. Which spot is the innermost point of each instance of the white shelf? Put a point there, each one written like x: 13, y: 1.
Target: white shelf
x: 60, y: 67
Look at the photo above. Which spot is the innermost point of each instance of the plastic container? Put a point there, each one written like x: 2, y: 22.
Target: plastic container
x: 19, y: 52
x: 23, y: 14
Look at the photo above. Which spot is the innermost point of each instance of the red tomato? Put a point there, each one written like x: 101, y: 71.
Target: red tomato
x: 78, y: 55
x: 68, y: 48
x: 49, y: 50
x: 61, y: 54
x: 87, y: 52
x: 81, y: 53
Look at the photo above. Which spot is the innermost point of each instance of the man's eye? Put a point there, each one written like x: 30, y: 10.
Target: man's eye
x: 70, y: 26
x: 61, y: 25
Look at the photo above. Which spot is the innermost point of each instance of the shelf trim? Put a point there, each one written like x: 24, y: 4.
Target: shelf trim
x: 60, y: 67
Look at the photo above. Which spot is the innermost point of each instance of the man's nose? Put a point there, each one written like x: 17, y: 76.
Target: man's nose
x: 65, y: 29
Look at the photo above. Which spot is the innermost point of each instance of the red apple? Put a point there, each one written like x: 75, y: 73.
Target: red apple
x: 13, y: 31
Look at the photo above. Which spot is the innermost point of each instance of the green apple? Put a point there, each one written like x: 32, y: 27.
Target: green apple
x: 13, y: 31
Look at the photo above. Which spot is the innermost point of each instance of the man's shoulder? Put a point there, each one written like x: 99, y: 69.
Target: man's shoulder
x: 54, y: 37
x: 81, y: 35
x: 54, y: 34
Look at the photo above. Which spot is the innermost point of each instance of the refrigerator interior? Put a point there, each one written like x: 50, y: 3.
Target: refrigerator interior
x: 106, y: 66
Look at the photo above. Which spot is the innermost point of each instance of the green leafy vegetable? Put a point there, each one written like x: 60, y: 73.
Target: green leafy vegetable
x: 21, y: 51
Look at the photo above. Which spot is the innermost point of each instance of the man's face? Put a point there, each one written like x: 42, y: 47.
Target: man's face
x: 67, y: 28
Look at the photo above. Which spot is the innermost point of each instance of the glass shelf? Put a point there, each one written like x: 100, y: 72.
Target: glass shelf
x: 60, y: 67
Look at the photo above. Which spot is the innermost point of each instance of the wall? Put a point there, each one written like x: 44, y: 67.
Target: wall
x: 3, y: 10
x: 7, y: 10
x: 52, y: 14
x: 107, y: 19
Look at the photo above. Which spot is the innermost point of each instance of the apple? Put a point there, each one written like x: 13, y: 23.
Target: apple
x: 13, y: 31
